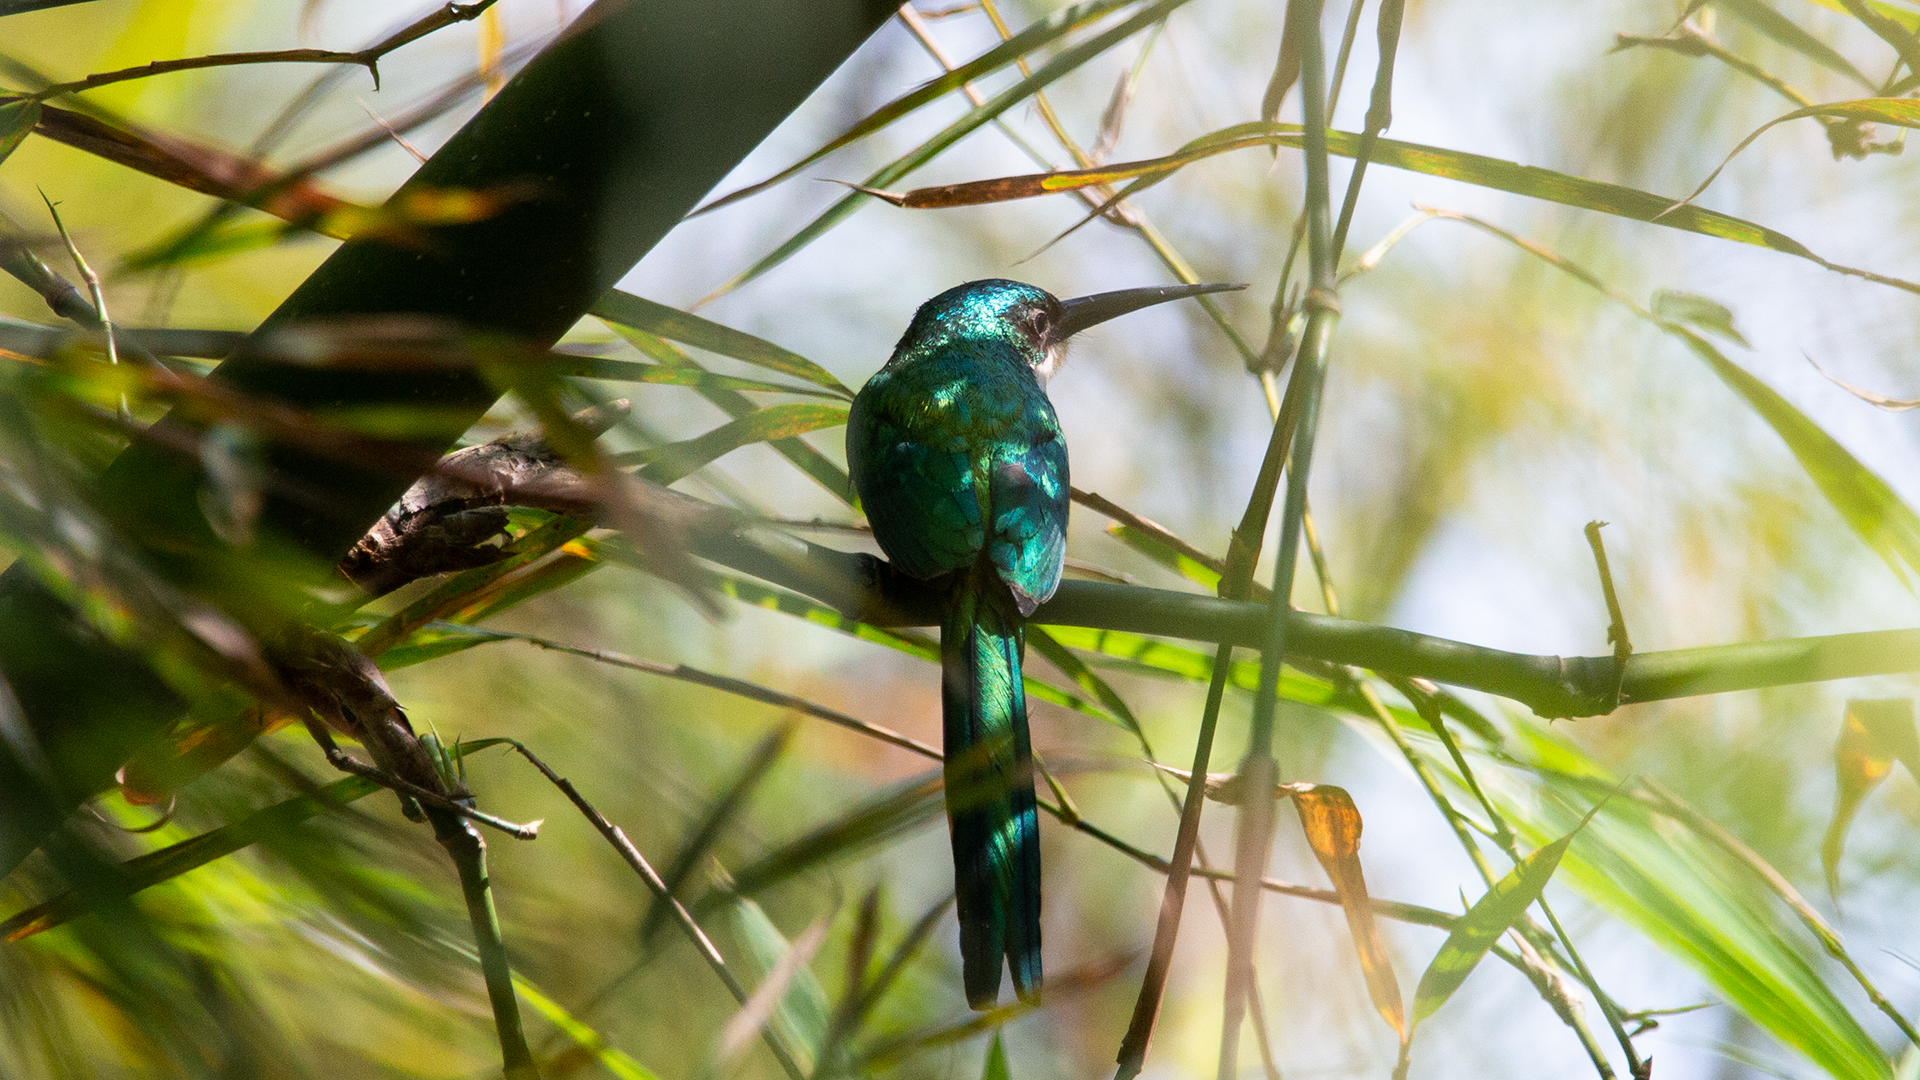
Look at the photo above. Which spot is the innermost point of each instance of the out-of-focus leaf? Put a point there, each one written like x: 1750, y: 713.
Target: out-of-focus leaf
x: 892, y: 812
x: 1904, y: 16
x: 17, y: 118
x: 1041, y: 33
x: 803, y: 456
x: 996, y: 1066
x: 1475, y: 169
x: 911, y: 642
x: 668, y: 463
x: 1899, y: 112
x: 1286, y: 72
x: 624, y: 310
x: 1076, y: 669
x: 1491, y: 915
x: 704, y: 835
x: 789, y: 996
x: 1687, y: 896
x: 615, y: 1061
x: 1759, y: 15
x: 1703, y: 314
x: 594, y: 367
x: 1874, y: 733
x: 1332, y: 824
x: 1877, y: 400
x: 1065, y: 63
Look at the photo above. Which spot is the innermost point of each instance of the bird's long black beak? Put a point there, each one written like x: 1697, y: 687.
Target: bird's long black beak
x: 1085, y: 311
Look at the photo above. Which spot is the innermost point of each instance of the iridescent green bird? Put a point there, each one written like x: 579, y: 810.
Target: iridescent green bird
x: 961, y: 465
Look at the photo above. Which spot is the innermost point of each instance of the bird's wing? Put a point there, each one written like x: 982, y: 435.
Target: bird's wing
x: 1028, y: 501
x: 917, y: 485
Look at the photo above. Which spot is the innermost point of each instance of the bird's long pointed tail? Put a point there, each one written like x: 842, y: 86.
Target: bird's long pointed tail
x: 989, y: 782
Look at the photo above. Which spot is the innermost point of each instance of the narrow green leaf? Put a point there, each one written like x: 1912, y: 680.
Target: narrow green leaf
x: 1687, y: 896
x: 1759, y: 15
x: 1065, y: 63
x: 1475, y: 169
x: 1905, y: 16
x: 800, y: 1017
x: 1701, y: 313
x: 594, y: 367
x: 1899, y: 112
x: 996, y: 1066
x: 615, y: 1061
x: 1492, y: 915
x: 1041, y: 33
x: 666, y: 464
x: 701, y: 840
x: 17, y: 118
x: 803, y: 456
x: 890, y: 813
x: 619, y: 309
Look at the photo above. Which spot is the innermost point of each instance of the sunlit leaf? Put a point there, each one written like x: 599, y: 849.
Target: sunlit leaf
x: 615, y: 1061
x: 1332, y: 824
x: 1040, y: 33
x: 1475, y: 169
x: 1064, y: 64
x: 625, y: 310
x: 594, y: 367
x: 1874, y: 733
x: 1760, y: 16
x: 669, y: 463
x: 1491, y: 916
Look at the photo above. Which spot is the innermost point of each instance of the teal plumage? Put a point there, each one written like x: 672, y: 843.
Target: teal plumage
x: 959, y: 460
x: 961, y: 465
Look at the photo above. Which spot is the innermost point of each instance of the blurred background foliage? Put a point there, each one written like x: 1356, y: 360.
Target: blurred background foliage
x: 1481, y: 408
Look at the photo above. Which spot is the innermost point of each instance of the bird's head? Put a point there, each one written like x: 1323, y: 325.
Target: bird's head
x: 1033, y: 320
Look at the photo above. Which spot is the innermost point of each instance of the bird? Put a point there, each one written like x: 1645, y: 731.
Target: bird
x: 960, y: 464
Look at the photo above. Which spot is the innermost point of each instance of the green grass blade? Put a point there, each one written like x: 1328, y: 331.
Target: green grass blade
x: 594, y: 367
x: 625, y: 309
x: 891, y: 813
x: 1061, y: 65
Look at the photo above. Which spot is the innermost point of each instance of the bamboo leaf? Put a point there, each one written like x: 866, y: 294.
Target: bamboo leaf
x: 594, y: 367
x: 619, y: 309
x: 1759, y: 15
x: 789, y: 996
x: 17, y: 118
x: 1065, y: 63
x: 1491, y: 916
x: 1476, y: 169
x: 1874, y: 733
x: 1039, y: 34
x: 1332, y: 824
x: 1701, y: 313
x: 669, y: 463
x: 1900, y: 112
x: 718, y: 816
x: 996, y: 1064
x: 803, y: 456
x: 1689, y: 897
x: 615, y: 1061
x: 890, y: 813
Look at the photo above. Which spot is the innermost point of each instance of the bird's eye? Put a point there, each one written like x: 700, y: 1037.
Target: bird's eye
x: 1039, y: 322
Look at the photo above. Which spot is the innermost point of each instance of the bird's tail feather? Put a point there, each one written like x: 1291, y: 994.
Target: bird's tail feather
x: 989, y: 782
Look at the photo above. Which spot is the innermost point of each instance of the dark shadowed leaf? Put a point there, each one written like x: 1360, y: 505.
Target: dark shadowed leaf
x: 17, y: 118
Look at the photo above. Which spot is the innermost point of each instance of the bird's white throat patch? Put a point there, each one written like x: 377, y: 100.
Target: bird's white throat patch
x: 1050, y: 363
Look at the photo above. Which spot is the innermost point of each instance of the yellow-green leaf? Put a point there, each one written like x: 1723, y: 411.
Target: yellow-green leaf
x: 668, y: 463
x: 619, y: 309
x: 17, y: 118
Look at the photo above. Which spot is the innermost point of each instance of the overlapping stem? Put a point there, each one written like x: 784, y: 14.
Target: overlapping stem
x: 1258, y: 769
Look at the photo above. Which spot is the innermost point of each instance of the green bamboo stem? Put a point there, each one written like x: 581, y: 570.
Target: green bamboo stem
x: 469, y: 853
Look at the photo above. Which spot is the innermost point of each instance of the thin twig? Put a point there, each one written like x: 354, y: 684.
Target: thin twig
x: 105, y: 321
x: 347, y: 763
x: 369, y: 57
